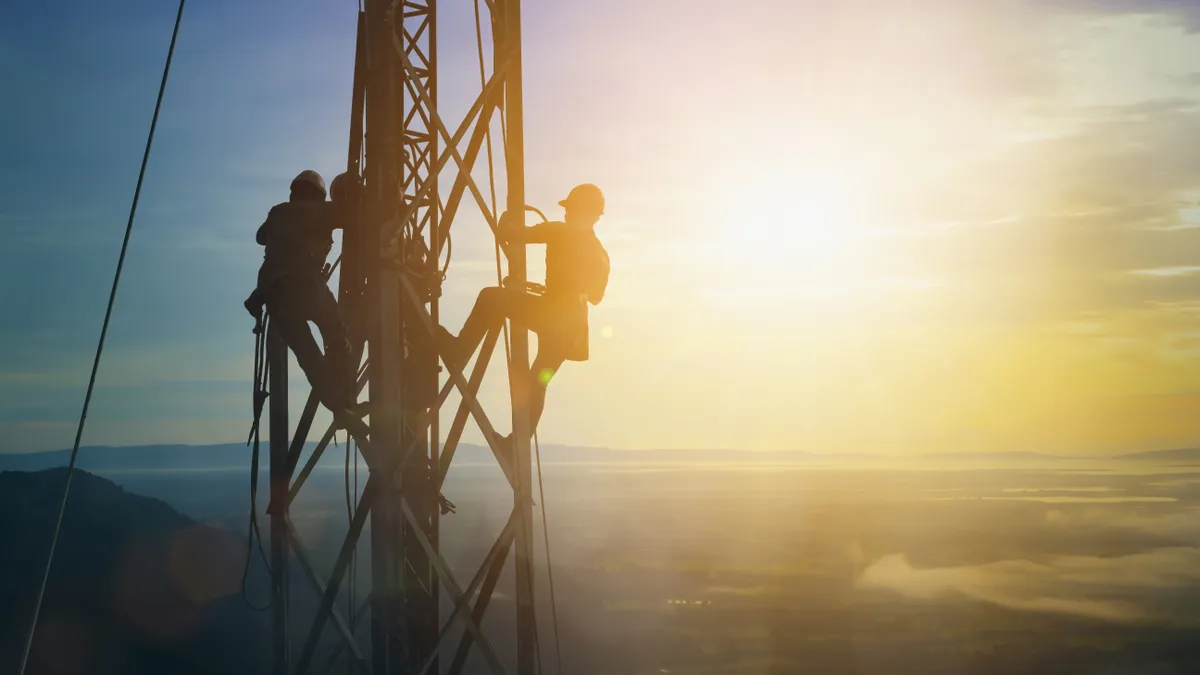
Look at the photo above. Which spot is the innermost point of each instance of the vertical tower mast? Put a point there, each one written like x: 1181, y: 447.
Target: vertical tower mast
x: 510, y: 29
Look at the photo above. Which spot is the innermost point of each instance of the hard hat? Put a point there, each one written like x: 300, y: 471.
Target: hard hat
x: 312, y: 178
x: 342, y: 183
x: 587, y: 197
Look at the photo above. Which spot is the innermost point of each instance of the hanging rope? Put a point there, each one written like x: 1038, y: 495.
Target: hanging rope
x: 261, y: 371
x: 100, y: 348
x: 351, y: 507
x: 491, y: 167
x: 549, y: 562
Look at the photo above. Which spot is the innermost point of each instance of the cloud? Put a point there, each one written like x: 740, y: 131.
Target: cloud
x: 1185, y: 12
x: 1123, y: 589
x: 1097, y: 205
x: 1181, y: 526
x: 1169, y: 271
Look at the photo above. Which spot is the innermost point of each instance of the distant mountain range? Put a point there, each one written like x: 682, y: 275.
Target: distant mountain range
x: 106, y: 459
x: 1176, y: 455
x: 135, y: 589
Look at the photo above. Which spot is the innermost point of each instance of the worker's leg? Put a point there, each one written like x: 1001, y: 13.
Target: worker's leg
x: 300, y: 301
x: 493, y: 305
x: 545, y: 365
x: 287, y: 313
x: 325, y: 313
x: 532, y: 389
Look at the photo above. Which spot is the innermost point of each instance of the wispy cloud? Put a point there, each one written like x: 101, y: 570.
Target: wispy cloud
x: 1081, y: 586
x: 1169, y: 271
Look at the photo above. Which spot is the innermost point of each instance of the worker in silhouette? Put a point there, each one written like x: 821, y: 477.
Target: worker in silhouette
x: 577, y: 268
x: 297, y: 237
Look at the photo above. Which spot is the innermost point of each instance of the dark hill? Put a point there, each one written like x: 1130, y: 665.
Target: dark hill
x: 136, y: 588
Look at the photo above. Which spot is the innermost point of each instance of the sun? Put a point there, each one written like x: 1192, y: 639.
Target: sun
x: 795, y: 224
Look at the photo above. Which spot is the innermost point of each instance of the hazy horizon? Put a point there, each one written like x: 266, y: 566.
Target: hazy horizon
x: 567, y: 448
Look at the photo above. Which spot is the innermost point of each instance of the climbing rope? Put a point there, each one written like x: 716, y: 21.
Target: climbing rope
x: 508, y: 348
x: 87, y: 399
x: 549, y: 562
x: 261, y: 372
x: 352, y: 572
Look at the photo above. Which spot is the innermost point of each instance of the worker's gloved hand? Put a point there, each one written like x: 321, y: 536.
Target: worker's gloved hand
x: 253, y: 305
x: 509, y: 223
x: 508, y: 230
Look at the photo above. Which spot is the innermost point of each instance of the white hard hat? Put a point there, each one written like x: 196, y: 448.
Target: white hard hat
x: 312, y: 178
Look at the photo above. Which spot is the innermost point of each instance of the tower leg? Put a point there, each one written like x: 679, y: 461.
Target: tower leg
x: 519, y: 367
x: 277, y: 358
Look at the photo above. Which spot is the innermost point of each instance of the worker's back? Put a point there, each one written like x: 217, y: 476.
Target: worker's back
x: 297, y: 237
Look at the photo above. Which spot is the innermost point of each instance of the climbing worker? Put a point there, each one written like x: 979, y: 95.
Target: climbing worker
x: 297, y: 237
x: 577, y: 267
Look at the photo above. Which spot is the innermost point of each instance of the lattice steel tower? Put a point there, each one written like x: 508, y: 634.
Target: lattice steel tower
x: 389, y: 286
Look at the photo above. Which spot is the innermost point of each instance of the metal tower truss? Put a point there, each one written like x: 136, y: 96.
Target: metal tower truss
x: 389, y: 286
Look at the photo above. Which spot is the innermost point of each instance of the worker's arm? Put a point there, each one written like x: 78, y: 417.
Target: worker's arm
x: 514, y: 231
x: 267, y: 228
x: 341, y: 215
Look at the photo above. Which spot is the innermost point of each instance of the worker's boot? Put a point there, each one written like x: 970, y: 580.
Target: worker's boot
x: 348, y: 411
x: 449, y: 347
x: 505, y: 445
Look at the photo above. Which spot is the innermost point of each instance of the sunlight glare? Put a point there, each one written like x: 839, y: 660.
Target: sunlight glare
x: 795, y: 226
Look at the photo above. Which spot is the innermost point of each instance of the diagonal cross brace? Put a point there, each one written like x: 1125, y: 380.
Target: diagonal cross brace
x: 480, y: 109
x: 350, y: 543
x: 302, y: 429
x: 460, y: 416
x: 347, y: 634
x: 456, y: 594
x: 354, y: 620
x: 484, y: 582
x: 456, y: 431
x: 419, y: 91
x: 317, y: 451
x: 454, y: 590
x: 489, y: 432
x: 495, y: 557
x: 391, y: 229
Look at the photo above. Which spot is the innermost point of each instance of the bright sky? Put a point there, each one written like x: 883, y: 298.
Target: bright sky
x: 836, y: 227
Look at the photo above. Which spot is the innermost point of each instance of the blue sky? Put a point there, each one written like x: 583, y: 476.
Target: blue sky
x: 84, y: 87
x: 256, y: 93
x: 814, y: 212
